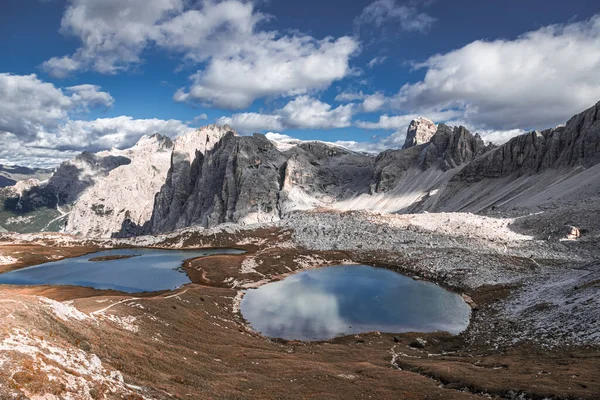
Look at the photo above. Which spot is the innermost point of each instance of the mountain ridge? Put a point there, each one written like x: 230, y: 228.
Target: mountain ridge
x: 213, y: 175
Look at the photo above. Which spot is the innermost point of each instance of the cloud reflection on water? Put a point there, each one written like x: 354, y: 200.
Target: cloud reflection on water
x: 328, y: 302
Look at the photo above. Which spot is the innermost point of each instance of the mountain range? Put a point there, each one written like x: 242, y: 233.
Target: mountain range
x: 213, y: 175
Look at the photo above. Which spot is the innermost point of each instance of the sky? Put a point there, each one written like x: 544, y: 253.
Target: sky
x: 90, y: 75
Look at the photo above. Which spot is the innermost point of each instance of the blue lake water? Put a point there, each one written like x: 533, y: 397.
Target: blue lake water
x: 153, y: 270
x: 323, y: 303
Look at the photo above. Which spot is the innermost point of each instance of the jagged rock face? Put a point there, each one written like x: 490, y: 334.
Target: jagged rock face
x: 238, y: 181
x: 577, y: 143
x: 317, y: 175
x: 187, y: 157
x: 69, y: 180
x: 420, y: 131
x: 248, y: 179
x: 448, y: 149
x: 390, y: 165
x: 126, y: 193
x: 452, y: 147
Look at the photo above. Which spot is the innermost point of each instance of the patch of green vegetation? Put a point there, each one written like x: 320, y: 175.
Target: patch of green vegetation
x: 42, y: 219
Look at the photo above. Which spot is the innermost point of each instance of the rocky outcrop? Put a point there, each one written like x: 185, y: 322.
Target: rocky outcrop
x: 420, y: 131
x: 531, y: 170
x: 247, y: 179
x: 126, y: 193
x: 576, y: 143
x: 186, y: 159
x: 452, y: 147
x: 69, y: 180
x: 448, y: 149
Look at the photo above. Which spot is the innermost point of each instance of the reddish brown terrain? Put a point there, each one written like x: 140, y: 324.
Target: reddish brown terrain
x: 69, y: 342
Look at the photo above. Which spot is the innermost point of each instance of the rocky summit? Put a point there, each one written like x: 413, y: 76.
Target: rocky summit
x: 419, y: 132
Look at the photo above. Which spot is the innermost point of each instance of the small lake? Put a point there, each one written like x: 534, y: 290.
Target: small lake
x: 149, y: 270
x: 323, y: 303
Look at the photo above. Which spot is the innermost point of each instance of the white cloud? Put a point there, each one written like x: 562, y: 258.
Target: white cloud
x: 30, y: 105
x: 538, y: 80
x: 49, y: 148
x: 376, y: 61
x: 370, y: 102
x: 90, y: 96
x: 253, y: 122
x: 306, y: 112
x: 61, y: 67
x: 105, y: 133
x: 350, y: 96
x: 269, y: 67
x: 303, y: 112
x: 36, y: 125
x: 405, y: 17
x: 240, y: 62
x: 393, y: 141
x: 373, y: 102
x: 113, y: 33
x: 197, y: 119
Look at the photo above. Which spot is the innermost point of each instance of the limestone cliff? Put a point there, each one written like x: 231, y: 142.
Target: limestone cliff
x: 420, y: 131
x: 125, y: 193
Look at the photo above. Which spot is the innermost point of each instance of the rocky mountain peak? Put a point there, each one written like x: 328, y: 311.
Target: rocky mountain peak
x: 420, y: 131
x: 452, y: 147
x: 201, y: 140
x: 154, y: 142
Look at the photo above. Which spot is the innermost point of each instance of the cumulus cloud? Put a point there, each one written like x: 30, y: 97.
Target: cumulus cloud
x: 270, y: 67
x: 406, y: 16
x: 197, y: 119
x: 105, y: 133
x: 240, y: 62
x: 373, y: 102
x: 303, y: 112
x: 393, y: 141
x: 113, y: 33
x: 90, y: 96
x: 30, y: 105
x: 370, y: 102
x: 538, y: 80
x: 253, y: 122
x: 49, y: 148
x: 36, y: 125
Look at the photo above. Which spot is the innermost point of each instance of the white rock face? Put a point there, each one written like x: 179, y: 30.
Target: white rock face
x: 420, y: 131
x: 23, y: 186
x: 127, y: 192
x: 201, y: 140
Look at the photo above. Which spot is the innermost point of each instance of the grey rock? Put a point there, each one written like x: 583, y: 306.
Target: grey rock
x: 418, y: 343
x: 452, y: 147
x: 577, y: 143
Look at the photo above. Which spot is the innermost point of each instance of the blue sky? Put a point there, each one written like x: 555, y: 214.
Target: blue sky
x: 353, y: 72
